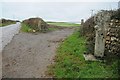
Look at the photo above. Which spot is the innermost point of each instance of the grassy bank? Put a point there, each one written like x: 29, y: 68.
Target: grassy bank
x: 26, y: 28
x: 70, y: 63
x: 64, y: 24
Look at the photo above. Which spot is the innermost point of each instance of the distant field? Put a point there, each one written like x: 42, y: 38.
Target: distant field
x: 5, y: 24
x: 58, y: 25
x: 64, y: 24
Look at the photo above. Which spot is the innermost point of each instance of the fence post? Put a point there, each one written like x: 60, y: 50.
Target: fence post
x: 81, y: 27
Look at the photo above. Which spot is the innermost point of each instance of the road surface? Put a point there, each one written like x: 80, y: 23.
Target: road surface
x: 6, y: 35
x: 28, y: 55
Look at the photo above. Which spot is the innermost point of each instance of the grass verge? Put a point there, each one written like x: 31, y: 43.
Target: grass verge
x: 70, y: 63
x: 6, y: 24
x: 64, y: 24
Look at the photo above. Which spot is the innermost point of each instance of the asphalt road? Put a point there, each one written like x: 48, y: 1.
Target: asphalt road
x: 6, y: 35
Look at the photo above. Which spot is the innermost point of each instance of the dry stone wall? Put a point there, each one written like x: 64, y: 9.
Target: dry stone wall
x: 87, y: 30
x: 103, y: 33
x: 112, y: 44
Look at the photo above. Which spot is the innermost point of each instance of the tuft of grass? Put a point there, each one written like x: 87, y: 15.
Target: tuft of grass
x: 25, y: 28
x: 70, y: 63
x: 64, y: 24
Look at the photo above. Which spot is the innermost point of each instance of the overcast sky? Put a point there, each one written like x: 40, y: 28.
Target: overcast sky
x: 51, y: 10
x: 59, y: 0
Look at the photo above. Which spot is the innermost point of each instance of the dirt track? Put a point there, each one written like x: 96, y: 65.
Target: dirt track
x: 28, y: 55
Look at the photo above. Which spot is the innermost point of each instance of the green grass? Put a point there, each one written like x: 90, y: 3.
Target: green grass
x: 0, y: 24
x: 52, y: 29
x: 70, y: 63
x: 64, y: 24
x: 6, y: 24
x: 25, y: 28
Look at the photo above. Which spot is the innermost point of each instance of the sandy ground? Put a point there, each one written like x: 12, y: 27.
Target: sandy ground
x: 28, y: 55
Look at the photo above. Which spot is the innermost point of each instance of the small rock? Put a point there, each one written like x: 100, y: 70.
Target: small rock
x: 89, y: 57
x: 108, y: 38
x: 111, y: 24
x: 8, y: 65
x: 48, y: 45
x: 113, y: 38
x: 34, y: 31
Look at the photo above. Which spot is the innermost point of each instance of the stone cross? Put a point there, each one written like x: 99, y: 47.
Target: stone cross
x: 101, y: 19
